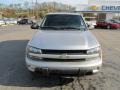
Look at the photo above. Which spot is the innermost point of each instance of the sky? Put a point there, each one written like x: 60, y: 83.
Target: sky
x: 70, y: 2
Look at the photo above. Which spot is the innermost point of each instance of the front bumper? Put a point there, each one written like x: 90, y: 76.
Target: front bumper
x: 64, y: 67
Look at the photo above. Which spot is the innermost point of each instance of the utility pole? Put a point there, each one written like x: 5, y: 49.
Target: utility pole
x: 33, y: 8
x: 36, y: 5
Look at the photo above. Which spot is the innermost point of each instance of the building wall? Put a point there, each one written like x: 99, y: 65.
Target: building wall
x: 100, y: 5
x: 105, y: 9
x: 104, y: 2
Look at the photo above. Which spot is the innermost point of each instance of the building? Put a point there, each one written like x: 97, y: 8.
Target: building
x: 100, y: 9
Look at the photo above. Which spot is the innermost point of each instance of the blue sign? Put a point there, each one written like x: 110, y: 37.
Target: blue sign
x: 111, y: 8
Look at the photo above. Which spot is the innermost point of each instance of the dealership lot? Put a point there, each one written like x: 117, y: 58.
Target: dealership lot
x: 15, y: 76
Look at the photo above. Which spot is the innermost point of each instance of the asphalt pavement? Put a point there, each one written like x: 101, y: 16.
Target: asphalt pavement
x: 15, y: 76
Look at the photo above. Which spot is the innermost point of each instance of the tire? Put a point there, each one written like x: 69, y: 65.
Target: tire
x: 96, y: 27
x: 37, y: 74
x: 18, y: 23
x: 108, y: 27
x: 34, y: 74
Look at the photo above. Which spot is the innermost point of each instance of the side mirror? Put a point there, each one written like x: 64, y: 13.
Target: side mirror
x: 88, y: 25
x: 34, y: 26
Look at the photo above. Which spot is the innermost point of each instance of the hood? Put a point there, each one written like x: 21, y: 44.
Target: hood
x: 63, y: 40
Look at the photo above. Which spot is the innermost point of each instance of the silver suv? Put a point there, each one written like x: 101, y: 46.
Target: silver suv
x: 63, y: 44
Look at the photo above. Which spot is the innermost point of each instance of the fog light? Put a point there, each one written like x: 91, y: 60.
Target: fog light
x: 31, y: 68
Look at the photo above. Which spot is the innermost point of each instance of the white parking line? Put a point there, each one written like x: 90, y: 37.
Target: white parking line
x: 8, y: 25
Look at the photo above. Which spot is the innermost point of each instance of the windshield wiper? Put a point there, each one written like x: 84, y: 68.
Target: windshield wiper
x: 49, y: 27
x: 75, y: 28
x: 60, y: 28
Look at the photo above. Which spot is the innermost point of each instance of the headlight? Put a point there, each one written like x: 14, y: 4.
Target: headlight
x: 32, y: 50
x: 96, y: 50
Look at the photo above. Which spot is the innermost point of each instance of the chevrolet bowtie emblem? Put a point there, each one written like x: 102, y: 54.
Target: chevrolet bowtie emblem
x: 64, y: 56
x: 94, y: 8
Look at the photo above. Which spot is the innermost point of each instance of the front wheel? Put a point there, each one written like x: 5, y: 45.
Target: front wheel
x: 34, y: 74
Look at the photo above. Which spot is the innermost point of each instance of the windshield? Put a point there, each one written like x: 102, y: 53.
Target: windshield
x: 74, y: 22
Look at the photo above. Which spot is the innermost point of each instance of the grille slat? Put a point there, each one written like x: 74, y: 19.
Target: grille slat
x: 63, y: 60
x: 68, y: 52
